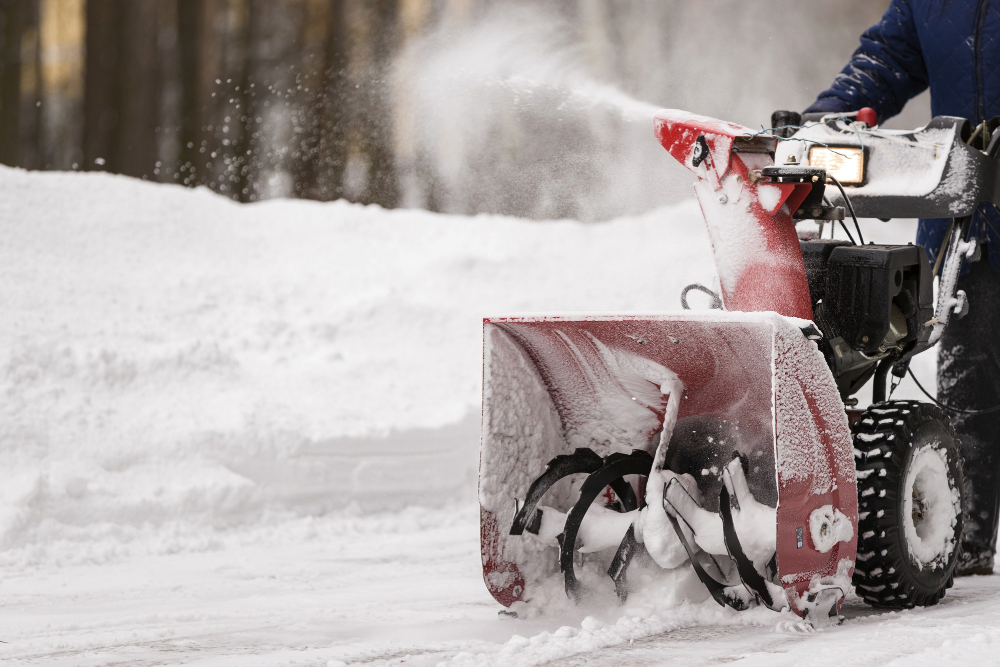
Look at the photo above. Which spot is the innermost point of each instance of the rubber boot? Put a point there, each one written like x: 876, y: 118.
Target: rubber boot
x: 969, y: 378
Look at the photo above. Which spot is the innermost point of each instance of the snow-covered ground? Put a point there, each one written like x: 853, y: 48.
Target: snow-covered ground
x: 248, y: 435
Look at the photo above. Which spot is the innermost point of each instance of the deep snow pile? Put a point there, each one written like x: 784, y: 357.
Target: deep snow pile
x: 171, y: 357
x: 252, y: 431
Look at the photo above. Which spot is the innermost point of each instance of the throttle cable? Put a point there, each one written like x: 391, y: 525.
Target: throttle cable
x: 850, y: 207
x: 949, y: 408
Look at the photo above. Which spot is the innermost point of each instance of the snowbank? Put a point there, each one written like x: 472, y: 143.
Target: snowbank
x: 171, y: 358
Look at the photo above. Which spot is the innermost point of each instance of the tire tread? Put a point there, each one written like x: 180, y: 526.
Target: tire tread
x: 881, y: 445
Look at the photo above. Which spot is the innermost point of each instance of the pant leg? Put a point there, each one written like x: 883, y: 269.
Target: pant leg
x: 969, y: 378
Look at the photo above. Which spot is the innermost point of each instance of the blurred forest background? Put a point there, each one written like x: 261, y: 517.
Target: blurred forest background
x: 528, y: 108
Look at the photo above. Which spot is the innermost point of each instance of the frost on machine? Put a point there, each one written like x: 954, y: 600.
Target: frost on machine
x: 616, y: 448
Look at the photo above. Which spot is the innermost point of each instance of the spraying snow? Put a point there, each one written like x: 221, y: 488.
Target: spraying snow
x: 508, y: 118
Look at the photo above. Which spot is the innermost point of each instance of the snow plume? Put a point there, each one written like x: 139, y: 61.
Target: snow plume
x: 507, y: 118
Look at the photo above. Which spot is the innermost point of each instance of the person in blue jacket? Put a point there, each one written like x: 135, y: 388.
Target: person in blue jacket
x: 952, y: 47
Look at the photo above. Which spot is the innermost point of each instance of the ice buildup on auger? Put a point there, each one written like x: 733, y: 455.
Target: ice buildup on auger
x: 719, y: 440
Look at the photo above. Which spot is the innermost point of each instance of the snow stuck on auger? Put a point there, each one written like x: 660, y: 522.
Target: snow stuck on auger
x: 715, y: 451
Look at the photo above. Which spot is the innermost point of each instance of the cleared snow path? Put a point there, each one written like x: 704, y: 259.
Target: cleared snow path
x: 406, y: 589
x: 247, y: 435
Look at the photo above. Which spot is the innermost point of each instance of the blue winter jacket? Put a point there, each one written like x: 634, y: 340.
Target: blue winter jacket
x: 953, y: 46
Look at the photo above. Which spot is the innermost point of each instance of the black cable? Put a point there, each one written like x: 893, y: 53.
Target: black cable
x: 850, y: 207
x: 833, y: 228
x: 844, y: 227
x: 948, y: 408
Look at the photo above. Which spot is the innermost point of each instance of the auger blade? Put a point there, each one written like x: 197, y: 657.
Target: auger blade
x: 749, y: 575
x: 582, y: 460
x: 722, y: 593
x: 616, y: 467
x: 619, y: 564
x: 756, y: 560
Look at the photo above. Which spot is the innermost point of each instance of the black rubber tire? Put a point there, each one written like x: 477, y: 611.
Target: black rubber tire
x: 885, y: 439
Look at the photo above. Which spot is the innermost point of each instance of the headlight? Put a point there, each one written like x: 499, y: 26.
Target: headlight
x: 846, y: 164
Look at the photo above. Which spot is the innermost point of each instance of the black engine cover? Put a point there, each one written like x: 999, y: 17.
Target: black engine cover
x: 816, y: 255
x: 863, y: 282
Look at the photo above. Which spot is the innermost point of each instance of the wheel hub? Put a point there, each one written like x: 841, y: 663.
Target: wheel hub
x: 931, y: 503
x: 919, y: 509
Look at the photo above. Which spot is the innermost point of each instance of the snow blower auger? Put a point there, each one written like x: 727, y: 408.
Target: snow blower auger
x: 720, y: 438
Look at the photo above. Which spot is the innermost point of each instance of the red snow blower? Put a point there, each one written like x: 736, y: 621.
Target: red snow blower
x: 616, y: 448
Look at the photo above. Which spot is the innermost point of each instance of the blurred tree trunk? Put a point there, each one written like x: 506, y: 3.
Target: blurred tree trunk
x: 190, y: 30
x: 208, y: 92
x: 332, y: 153
x: 60, y: 88
x: 13, y: 16
x: 370, y: 169
x: 312, y: 80
x: 100, y: 103
x: 382, y: 186
x: 121, y: 101
x: 168, y: 81
x: 321, y: 173
x: 37, y: 138
x: 30, y: 93
x: 139, y: 81
x: 197, y: 55
x: 200, y: 24
x: 241, y: 121
x: 415, y: 181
